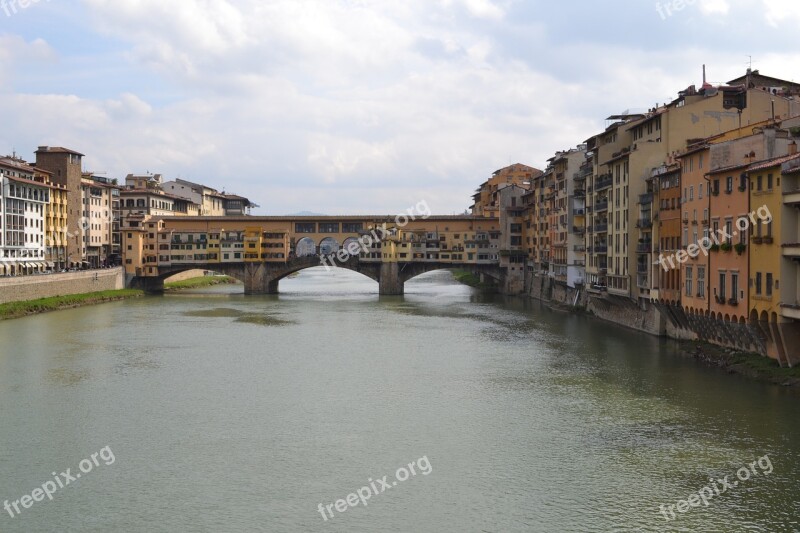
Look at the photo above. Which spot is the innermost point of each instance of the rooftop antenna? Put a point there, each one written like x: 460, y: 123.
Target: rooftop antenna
x: 704, y: 75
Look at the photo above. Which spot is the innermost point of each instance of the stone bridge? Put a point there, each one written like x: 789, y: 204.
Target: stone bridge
x: 264, y: 277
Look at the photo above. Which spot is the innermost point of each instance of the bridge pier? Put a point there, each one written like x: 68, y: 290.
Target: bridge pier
x: 149, y: 285
x: 259, y: 280
x: 391, y: 283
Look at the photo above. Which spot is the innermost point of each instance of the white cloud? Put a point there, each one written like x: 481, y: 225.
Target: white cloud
x: 341, y: 105
x: 778, y: 11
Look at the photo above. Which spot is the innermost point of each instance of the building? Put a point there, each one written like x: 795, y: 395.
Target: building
x: 693, y: 206
x: 512, y: 253
x: 65, y: 166
x: 144, y: 195
x: 657, y: 279
x: 25, y: 197
x: 211, y: 201
x: 55, y: 222
x: 768, y: 266
x: 98, y: 195
x: 788, y: 282
x: 485, y: 201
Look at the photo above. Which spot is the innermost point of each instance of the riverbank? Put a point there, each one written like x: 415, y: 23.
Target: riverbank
x: 754, y: 366
x: 56, y: 303
x: 468, y: 278
x: 199, y: 282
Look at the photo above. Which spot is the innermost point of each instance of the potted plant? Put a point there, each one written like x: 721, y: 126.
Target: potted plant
x: 740, y: 248
x: 714, y: 248
x: 726, y: 247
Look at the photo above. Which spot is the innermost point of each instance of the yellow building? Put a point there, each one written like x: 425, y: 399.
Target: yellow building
x: 485, y: 202
x: 55, y: 223
x: 769, y: 267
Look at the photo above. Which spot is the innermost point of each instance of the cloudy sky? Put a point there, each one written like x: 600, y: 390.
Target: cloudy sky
x: 357, y: 106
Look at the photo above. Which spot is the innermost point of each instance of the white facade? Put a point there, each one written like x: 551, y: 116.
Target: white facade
x: 24, y: 201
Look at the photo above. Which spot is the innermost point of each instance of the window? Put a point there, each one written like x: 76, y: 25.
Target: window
x: 734, y: 285
x: 352, y: 227
x: 701, y: 281
x: 769, y: 182
x: 769, y: 284
x: 691, y: 192
x: 304, y: 227
x: 729, y: 184
x: 688, y: 281
x: 729, y: 230
x: 758, y: 283
x: 329, y: 227
x: 722, y: 279
x: 760, y: 183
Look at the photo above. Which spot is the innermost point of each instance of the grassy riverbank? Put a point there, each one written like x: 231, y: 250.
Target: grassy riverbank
x: 55, y: 303
x: 202, y: 281
x: 751, y: 365
x: 468, y: 278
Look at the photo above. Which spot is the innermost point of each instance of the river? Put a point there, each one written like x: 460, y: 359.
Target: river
x: 230, y: 413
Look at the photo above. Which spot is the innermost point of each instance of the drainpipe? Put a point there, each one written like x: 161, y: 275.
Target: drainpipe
x: 708, y: 194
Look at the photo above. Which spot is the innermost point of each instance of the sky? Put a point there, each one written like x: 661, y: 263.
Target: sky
x: 357, y: 106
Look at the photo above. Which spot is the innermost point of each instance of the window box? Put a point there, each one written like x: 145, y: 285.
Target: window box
x: 740, y: 248
x: 768, y: 240
x: 758, y: 240
x: 726, y: 247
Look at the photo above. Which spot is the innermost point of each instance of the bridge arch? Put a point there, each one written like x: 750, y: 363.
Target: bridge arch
x: 328, y: 246
x: 305, y: 247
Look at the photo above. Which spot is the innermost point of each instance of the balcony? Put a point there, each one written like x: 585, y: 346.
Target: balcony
x: 644, y: 223
x: 643, y: 281
x: 792, y: 250
x: 601, y: 206
x: 646, y: 198
x: 578, y: 230
x: 579, y: 212
x: 791, y: 197
x: 644, y: 247
x: 603, y: 182
x: 790, y: 311
x: 642, y: 268
x: 601, y: 248
x: 601, y: 228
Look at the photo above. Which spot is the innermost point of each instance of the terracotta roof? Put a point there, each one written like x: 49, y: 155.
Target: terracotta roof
x: 8, y: 162
x: 57, y: 150
x: 30, y: 182
x: 773, y: 162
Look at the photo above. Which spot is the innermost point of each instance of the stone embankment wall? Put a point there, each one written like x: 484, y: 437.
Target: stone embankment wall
x: 17, y: 289
x: 661, y: 319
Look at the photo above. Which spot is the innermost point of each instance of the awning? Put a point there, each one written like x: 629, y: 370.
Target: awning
x: 50, y: 264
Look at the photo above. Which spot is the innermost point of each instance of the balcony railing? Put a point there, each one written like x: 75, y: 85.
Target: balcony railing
x: 603, y: 181
x: 646, y: 198
x: 644, y: 247
x: 644, y: 223
x: 601, y: 206
x: 601, y: 228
